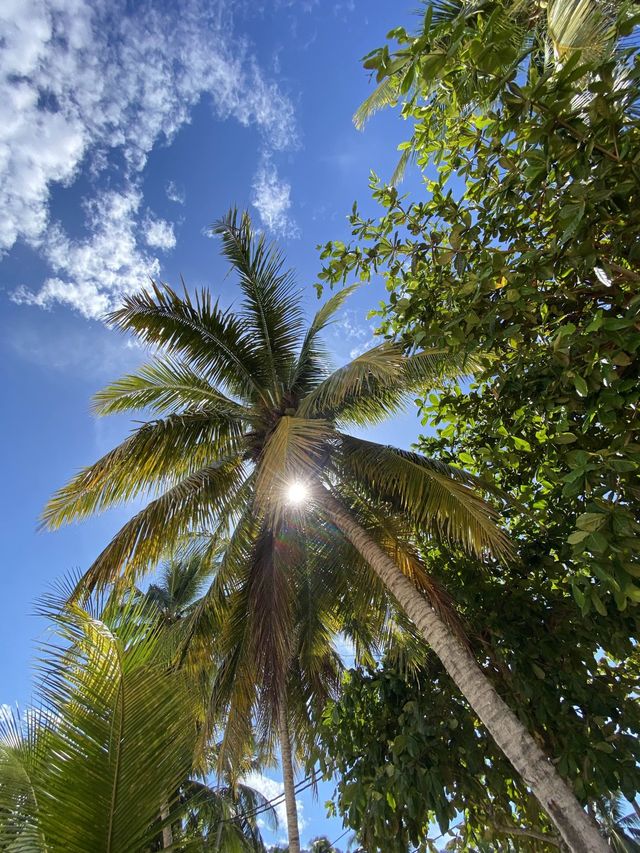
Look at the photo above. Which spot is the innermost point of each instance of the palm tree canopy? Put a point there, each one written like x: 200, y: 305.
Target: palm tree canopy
x: 243, y: 407
x: 248, y: 408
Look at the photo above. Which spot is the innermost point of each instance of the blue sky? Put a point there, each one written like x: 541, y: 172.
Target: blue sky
x: 126, y: 128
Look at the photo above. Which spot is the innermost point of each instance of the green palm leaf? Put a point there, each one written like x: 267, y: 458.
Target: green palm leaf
x: 214, y: 341
x: 384, y: 95
x: 113, y: 738
x: 360, y: 378
x: 311, y: 364
x: 164, y: 385
x: 271, y: 303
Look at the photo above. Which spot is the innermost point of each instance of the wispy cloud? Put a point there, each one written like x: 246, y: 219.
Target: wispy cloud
x: 272, y: 200
x: 93, y: 273
x: 175, y: 193
x: 82, y: 78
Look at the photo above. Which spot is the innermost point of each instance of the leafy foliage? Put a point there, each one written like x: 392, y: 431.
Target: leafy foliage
x: 524, y: 251
x: 431, y: 761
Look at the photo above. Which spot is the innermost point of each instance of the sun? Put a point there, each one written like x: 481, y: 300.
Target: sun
x: 297, y: 492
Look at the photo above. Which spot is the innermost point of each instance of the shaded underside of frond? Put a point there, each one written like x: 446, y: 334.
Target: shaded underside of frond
x: 213, y: 341
x: 272, y: 303
x: 165, y: 385
x: 254, y: 645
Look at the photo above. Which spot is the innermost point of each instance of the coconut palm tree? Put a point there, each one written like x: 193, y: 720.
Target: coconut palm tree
x: 251, y: 443
x: 182, y: 580
x: 620, y: 822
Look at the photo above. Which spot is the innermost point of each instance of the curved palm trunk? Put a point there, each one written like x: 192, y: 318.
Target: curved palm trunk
x: 287, y: 776
x: 576, y: 828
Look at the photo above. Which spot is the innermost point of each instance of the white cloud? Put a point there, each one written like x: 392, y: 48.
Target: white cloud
x: 92, y: 274
x: 175, y: 193
x: 159, y: 233
x: 272, y: 789
x: 83, y: 78
x: 272, y: 200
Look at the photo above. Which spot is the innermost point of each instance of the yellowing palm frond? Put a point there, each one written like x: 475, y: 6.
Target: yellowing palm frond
x: 208, y: 499
x: 357, y: 379
x: 435, y: 496
x: 580, y: 25
x: 157, y: 455
x: 293, y: 451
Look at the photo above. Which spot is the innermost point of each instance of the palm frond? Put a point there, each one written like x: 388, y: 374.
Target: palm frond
x: 382, y: 364
x: 437, y: 497
x: 384, y: 95
x: 580, y: 25
x: 255, y: 646
x: 381, y: 382
x: 158, y: 454
x: 164, y: 385
x: 311, y: 364
x: 272, y: 304
x: 408, y: 156
x: 112, y: 740
x: 293, y: 452
x: 210, y: 498
x: 215, y: 342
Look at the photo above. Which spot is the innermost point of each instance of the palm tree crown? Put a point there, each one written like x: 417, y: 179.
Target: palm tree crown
x: 246, y: 407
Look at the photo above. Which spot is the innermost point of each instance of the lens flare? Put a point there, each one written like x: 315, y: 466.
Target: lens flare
x: 297, y: 492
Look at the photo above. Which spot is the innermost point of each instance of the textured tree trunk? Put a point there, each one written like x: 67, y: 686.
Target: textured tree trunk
x: 574, y: 825
x: 287, y: 776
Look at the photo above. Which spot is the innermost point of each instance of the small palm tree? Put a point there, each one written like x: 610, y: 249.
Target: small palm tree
x: 223, y: 819
x: 112, y: 738
x: 113, y: 734
x: 252, y: 445
x: 183, y: 577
